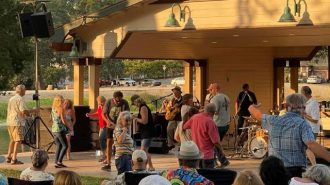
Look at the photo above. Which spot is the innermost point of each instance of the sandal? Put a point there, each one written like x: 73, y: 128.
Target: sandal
x: 8, y: 159
x: 151, y: 169
x: 15, y: 161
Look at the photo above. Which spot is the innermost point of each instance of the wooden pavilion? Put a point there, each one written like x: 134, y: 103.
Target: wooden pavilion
x: 227, y: 41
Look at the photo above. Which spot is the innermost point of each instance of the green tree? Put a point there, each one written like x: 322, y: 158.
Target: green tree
x: 111, y: 69
x: 14, y: 51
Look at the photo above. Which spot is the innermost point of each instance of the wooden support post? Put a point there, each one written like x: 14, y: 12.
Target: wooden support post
x: 200, y: 86
x: 328, y: 63
x: 93, y: 81
x: 78, y: 80
x: 188, y: 76
x: 294, y: 68
x: 278, y: 90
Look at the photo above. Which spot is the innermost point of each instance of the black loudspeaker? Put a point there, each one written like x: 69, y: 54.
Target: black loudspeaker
x: 25, y: 24
x: 42, y: 24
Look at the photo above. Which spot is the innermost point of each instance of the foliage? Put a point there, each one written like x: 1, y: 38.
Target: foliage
x: 14, y: 51
x: 138, y: 69
x: 111, y: 69
x: 321, y: 55
x: 85, y: 179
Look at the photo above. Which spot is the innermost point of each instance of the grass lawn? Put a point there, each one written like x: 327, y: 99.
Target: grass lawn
x: 86, y: 180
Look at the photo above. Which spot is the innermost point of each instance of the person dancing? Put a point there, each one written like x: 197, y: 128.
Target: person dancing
x: 70, y: 118
x: 59, y: 130
x: 146, y: 125
x: 103, y: 131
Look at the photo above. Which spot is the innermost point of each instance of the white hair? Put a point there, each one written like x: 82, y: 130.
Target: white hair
x: 296, y: 103
x: 126, y: 115
x: 210, y: 108
x: 319, y: 173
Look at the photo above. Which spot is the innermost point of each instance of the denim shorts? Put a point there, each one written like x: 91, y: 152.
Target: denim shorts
x: 146, y: 143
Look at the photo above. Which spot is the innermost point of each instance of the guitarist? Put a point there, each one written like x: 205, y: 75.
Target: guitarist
x: 174, y: 110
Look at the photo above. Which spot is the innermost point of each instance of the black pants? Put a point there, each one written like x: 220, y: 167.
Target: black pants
x: 61, y: 146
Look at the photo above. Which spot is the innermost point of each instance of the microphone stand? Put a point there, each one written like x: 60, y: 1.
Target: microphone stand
x: 160, y: 98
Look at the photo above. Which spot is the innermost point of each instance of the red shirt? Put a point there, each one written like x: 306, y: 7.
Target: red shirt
x: 99, y: 115
x: 204, y: 133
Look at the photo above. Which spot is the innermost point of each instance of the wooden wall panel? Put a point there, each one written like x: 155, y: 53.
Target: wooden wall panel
x: 233, y: 67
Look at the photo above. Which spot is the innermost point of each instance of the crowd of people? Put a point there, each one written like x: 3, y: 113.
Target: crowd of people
x: 196, y: 133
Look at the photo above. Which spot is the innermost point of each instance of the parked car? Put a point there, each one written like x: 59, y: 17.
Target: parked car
x: 314, y: 80
x: 126, y: 81
x: 150, y: 82
x: 178, y: 81
x: 105, y: 82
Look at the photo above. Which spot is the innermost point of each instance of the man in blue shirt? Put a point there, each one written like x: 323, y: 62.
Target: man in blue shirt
x: 290, y: 135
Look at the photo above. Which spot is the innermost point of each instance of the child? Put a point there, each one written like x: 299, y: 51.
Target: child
x: 70, y: 117
x: 123, y: 143
x: 102, y: 132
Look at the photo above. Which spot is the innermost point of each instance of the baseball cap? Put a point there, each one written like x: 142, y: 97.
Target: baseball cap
x: 139, y: 156
x: 210, y: 87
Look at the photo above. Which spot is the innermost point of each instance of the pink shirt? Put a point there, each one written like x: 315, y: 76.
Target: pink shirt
x: 204, y: 133
x: 98, y: 114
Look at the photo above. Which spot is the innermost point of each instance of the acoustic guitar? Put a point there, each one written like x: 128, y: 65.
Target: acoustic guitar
x: 171, y: 112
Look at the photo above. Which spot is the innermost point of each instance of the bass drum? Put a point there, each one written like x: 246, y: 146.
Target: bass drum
x: 258, y: 147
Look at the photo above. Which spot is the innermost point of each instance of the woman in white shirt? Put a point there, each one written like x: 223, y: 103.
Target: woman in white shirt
x: 37, y: 171
x: 318, y: 174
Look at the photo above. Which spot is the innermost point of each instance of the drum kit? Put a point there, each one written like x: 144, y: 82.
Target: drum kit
x: 253, y: 141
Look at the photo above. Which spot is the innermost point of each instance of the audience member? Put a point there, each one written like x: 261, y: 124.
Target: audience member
x: 314, y: 175
x: 205, y: 134
x: 154, y: 180
x: 3, y: 179
x: 290, y: 135
x: 184, y: 135
x: 247, y: 177
x: 189, y: 157
x: 146, y: 124
x: 16, y: 113
x: 70, y: 118
x: 123, y: 143
x: 139, y: 165
x: 102, y: 132
x: 312, y: 116
x: 66, y: 177
x: 273, y: 172
x: 111, y: 110
x: 59, y: 130
x: 37, y: 172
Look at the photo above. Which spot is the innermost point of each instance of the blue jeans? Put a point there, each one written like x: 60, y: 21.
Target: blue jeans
x: 124, y: 163
x: 61, y: 146
x: 103, y: 138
